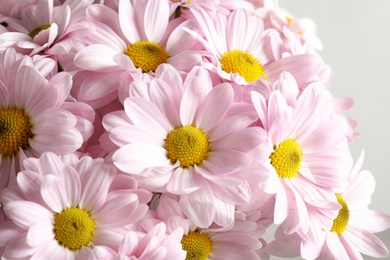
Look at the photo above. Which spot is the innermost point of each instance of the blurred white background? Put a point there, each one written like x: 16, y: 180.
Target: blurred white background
x: 356, y: 39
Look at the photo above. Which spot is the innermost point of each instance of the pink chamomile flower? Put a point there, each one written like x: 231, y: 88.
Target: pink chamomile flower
x: 68, y: 210
x: 177, y: 145
x: 34, y: 114
x: 48, y: 28
x: 242, y: 50
x: 352, y: 232
x: 307, y: 150
x: 138, y: 39
x: 241, y: 240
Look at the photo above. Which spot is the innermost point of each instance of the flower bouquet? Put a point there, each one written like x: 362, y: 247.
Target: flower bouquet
x: 175, y: 129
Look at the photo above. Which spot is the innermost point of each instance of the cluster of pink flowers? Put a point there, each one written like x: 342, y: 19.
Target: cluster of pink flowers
x: 174, y: 129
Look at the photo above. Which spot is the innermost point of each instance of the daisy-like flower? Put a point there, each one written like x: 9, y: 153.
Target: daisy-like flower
x: 243, y: 51
x: 68, y: 210
x: 294, y: 30
x: 238, y: 241
x: 137, y: 40
x: 308, y: 151
x: 34, y: 117
x: 352, y: 232
x: 118, y: 46
x: 188, y: 138
x: 46, y: 28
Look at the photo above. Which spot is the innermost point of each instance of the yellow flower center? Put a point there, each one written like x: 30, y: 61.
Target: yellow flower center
x: 187, y: 144
x: 146, y: 55
x: 341, y: 222
x: 243, y: 63
x: 34, y: 32
x: 15, y: 130
x: 287, y: 159
x: 74, y: 228
x: 198, y: 245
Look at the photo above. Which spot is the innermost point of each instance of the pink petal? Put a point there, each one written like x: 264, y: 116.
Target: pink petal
x: 161, y: 95
x: 107, y: 237
x: 129, y: 244
x: 50, y: 163
x: 65, y: 143
x: 300, y: 207
x: 216, y: 42
x: 182, y: 182
x: 242, y: 239
x: 192, y: 97
x: 370, y: 220
x: 40, y: 234
x: 26, y: 213
x: 30, y: 183
x: 4, y: 96
x: 143, y: 156
x: 237, y: 35
x: 281, y: 206
x: 53, y: 122
x: 9, y: 231
x: 185, y: 61
x: 96, y: 57
x: 199, y: 206
x: 97, y: 184
x: 261, y: 107
x: 115, y: 119
x: 31, y: 92
x: 334, y: 244
x: 175, y: 41
x: 302, y: 67
x: 242, y: 140
x: 66, y: 190
x: 227, y: 251
x: 18, y: 248
x: 223, y: 95
x: 156, y: 19
x: 64, y: 82
x: 145, y: 114
x: 108, y: 20
x: 53, y: 251
x: 224, y: 213
x: 127, y: 21
x: 312, y: 107
x: 238, y: 116
x: 47, y: 36
x: 238, y: 194
x: 121, y: 137
x: 225, y: 162
x: 359, y: 191
x: 366, y: 242
x: 329, y: 134
x: 116, y: 210
x: 284, y: 246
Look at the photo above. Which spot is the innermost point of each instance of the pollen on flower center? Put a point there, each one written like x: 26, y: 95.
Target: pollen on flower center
x: 340, y: 223
x: 198, y: 245
x: 15, y: 130
x: 243, y: 63
x: 146, y: 55
x: 287, y: 159
x: 74, y: 228
x: 34, y: 32
x: 187, y: 144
